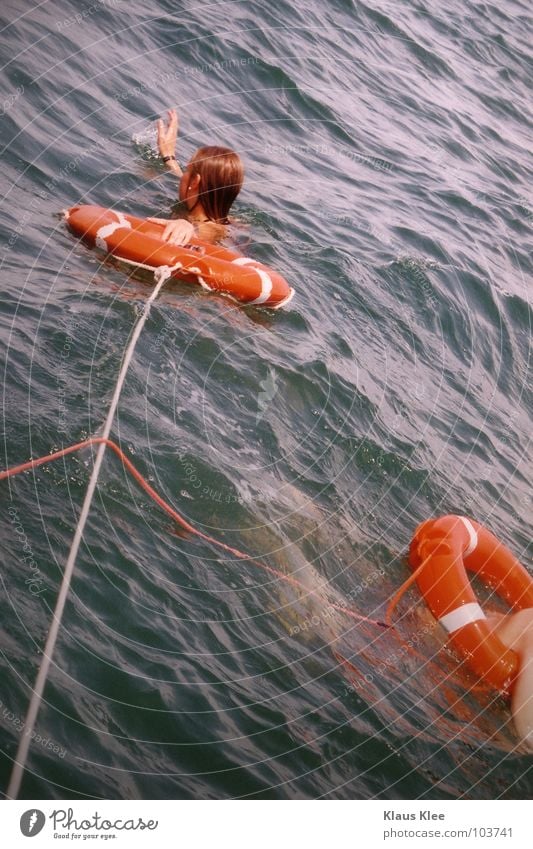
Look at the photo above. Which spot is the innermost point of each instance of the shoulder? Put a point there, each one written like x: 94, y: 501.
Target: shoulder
x: 212, y: 232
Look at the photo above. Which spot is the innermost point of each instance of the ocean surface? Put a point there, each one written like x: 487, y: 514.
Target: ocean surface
x: 387, y: 155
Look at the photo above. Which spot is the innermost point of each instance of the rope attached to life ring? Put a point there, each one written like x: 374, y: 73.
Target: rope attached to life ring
x: 177, y: 517
x: 161, y: 275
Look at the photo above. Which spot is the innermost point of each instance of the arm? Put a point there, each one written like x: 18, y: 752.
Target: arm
x: 166, y: 141
x: 180, y: 231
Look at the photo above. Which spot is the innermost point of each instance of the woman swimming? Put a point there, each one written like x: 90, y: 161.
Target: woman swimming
x: 208, y: 187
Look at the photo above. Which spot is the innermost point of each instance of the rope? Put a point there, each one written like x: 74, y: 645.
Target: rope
x: 403, y: 589
x: 103, y: 442
x: 35, y: 702
x: 472, y: 688
x: 396, y: 599
x: 161, y: 275
x: 143, y: 483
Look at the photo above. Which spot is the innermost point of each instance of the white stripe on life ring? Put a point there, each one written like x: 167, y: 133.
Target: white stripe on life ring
x: 462, y: 616
x: 285, y: 301
x: 266, y: 287
x: 266, y: 280
x: 472, y: 533
x: 108, y: 229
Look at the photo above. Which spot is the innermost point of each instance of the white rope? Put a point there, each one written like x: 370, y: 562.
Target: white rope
x: 166, y: 270
x: 161, y: 275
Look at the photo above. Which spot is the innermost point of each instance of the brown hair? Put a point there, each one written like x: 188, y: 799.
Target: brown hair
x: 221, y: 177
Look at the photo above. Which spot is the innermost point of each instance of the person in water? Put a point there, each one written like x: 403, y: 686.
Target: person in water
x: 207, y: 189
x: 515, y: 630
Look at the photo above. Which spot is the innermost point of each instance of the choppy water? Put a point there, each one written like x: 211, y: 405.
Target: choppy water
x: 386, y: 150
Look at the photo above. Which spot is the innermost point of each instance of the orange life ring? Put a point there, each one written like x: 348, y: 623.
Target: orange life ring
x: 138, y: 242
x: 450, y: 545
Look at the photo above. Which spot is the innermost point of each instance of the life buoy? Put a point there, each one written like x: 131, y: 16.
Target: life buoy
x: 449, y: 545
x: 138, y: 242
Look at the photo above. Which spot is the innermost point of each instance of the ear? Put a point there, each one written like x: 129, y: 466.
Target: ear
x: 195, y: 182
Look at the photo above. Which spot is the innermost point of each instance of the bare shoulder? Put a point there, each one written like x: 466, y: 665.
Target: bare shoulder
x: 212, y: 232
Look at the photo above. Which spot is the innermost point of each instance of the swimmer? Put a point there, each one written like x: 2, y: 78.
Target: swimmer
x: 515, y: 630
x: 210, y: 183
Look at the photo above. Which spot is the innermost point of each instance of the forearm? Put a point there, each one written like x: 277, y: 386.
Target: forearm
x: 166, y: 141
x: 174, y: 166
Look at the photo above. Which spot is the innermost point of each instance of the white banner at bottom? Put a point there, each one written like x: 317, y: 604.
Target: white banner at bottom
x: 265, y: 824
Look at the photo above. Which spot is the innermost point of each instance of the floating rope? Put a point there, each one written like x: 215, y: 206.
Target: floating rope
x: 161, y: 275
x: 177, y: 517
x: 403, y: 589
x: 103, y: 442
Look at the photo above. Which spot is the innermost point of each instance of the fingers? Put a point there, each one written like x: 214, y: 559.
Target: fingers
x: 172, y: 117
x: 173, y: 122
x: 167, y: 232
x: 161, y: 130
x: 174, y: 235
x: 160, y: 134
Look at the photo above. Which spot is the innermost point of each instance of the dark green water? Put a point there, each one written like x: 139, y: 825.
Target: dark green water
x: 386, y: 151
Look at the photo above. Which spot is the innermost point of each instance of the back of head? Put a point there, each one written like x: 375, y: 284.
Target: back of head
x: 221, y: 177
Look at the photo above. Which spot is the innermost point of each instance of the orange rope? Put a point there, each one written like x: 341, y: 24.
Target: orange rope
x: 143, y: 483
x: 403, y: 589
x: 396, y: 599
x: 394, y: 602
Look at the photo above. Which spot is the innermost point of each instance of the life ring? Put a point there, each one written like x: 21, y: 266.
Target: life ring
x: 138, y: 241
x: 449, y: 546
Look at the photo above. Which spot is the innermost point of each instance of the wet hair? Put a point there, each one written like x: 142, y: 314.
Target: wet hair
x: 221, y: 177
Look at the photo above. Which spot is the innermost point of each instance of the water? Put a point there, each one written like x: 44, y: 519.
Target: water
x: 146, y: 142
x: 386, y: 154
